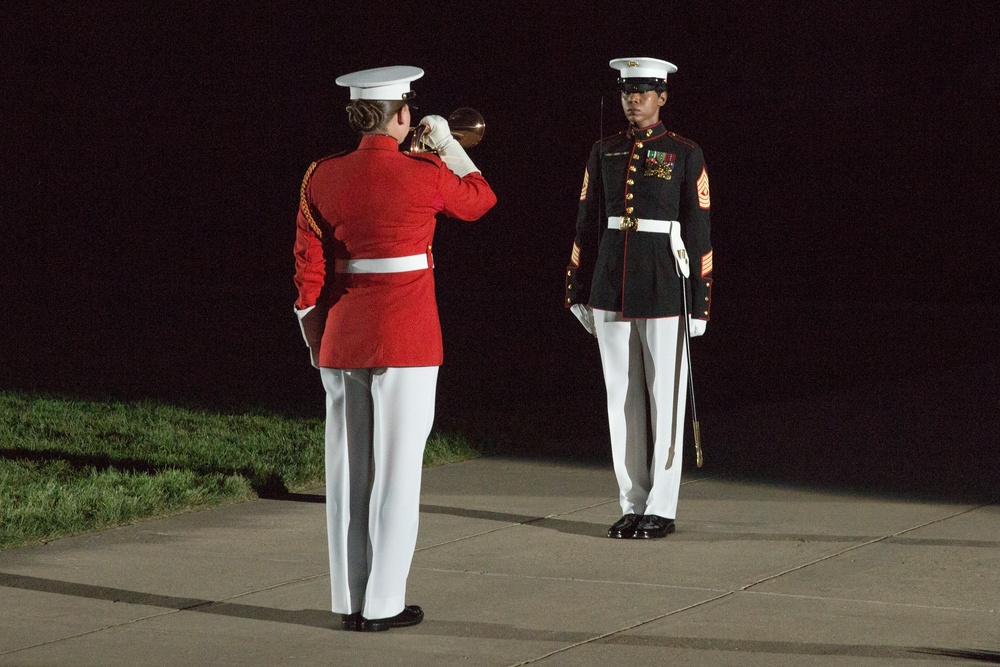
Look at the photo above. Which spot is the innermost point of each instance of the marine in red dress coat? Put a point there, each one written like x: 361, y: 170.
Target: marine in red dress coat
x: 376, y: 320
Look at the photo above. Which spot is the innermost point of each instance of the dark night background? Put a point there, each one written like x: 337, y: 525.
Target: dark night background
x: 153, y: 155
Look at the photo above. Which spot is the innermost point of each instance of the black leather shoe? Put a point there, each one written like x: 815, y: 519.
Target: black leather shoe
x: 654, y: 526
x: 351, y: 621
x: 624, y: 527
x: 411, y: 615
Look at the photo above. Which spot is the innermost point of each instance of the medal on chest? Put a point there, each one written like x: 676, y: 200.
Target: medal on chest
x: 659, y: 164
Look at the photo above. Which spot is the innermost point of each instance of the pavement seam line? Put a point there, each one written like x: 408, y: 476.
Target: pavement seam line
x: 861, y: 546
x: 94, y: 631
x: 621, y: 630
x: 700, y: 478
x: 825, y: 598
x: 573, y: 580
x: 267, y: 588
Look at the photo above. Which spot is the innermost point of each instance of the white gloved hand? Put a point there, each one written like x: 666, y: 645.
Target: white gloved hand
x: 438, y: 138
x: 312, y: 324
x: 585, y: 314
x: 696, y: 327
x: 438, y: 133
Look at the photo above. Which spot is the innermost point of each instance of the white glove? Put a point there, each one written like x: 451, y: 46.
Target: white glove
x: 437, y: 133
x: 438, y: 138
x: 312, y: 324
x: 585, y: 314
x: 696, y: 327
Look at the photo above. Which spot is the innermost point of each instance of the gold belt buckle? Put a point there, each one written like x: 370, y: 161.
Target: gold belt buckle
x: 629, y: 224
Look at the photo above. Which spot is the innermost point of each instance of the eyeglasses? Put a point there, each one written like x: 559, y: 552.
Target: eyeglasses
x: 630, y: 88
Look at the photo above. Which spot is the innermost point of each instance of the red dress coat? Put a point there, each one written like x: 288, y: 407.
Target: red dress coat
x: 378, y: 202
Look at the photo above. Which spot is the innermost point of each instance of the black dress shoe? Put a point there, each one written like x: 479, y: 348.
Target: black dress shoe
x: 411, y: 615
x: 654, y: 526
x: 351, y: 621
x: 624, y: 527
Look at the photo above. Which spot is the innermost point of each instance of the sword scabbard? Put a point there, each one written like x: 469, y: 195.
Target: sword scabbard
x: 697, y: 443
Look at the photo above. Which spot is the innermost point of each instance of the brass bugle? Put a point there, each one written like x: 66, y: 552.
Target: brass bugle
x: 467, y: 126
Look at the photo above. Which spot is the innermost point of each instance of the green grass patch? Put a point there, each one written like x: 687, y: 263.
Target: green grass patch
x: 71, y: 466
x: 448, y: 448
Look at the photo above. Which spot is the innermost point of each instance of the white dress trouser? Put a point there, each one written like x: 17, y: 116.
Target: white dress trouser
x: 645, y: 357
x: 377, y: 424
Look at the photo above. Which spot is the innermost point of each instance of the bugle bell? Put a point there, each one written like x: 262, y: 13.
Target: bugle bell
x: 466, y: 124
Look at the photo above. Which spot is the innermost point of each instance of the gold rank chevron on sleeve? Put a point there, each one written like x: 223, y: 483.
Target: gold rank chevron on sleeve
x: 706, y: 264
x: 704, y: 201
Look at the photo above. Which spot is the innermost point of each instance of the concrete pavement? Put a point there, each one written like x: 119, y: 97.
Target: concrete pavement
x: 512, y: 568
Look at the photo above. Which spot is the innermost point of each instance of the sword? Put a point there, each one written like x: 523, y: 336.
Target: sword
x: 683, y: 270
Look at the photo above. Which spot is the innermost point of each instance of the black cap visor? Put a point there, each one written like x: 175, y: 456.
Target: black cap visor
x: 629, y: 86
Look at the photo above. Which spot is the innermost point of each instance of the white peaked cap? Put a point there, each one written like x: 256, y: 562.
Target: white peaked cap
x: 643, y: 68
x: 381, y: 83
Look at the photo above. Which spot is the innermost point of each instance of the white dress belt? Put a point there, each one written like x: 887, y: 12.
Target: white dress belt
x: 383, y: 264
x: 681, y: 262
x: 640, y: 224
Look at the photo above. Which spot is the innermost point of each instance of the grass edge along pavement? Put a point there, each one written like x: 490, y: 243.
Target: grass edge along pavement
x: 72, y: 466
